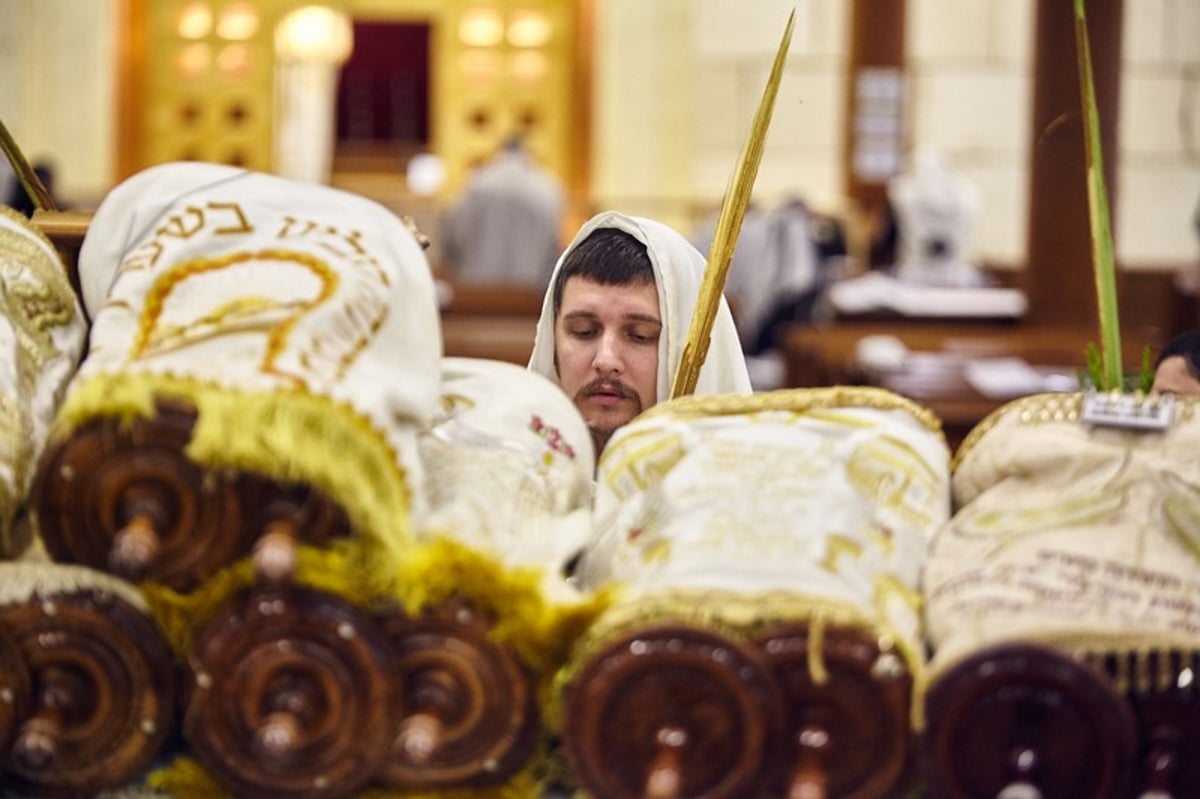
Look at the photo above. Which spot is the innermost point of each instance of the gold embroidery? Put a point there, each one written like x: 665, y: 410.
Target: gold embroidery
x: 798, y: 400
x: 890, y: 474
x: 642, y: 462
x: 243, y: 314
x: 177, y: 226
x: 241, y: 225
x: 838, y: 546
x: 35, y: 299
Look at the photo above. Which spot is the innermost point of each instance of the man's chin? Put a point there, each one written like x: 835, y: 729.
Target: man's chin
x: 599, y: 439
x: 602, y: 426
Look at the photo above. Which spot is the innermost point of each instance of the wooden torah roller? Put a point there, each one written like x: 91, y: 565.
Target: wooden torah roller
x: 125, y: 497
x: 16, y: 691
x: 672, y: 711
x: 847, y: 730
x: 1162, y: 689
x: 1020, y: 720
x: 88, y: 695
x: 290, y: 695
x: 467, y: 706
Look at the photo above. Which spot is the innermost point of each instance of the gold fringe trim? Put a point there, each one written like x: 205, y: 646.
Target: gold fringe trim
x: 525, y: 619
x: 344, y: 569
x: 185, y: 778
x: 816, y: 650
x: 736, y: 615
x: 1128, y: 653
x: 796, y: 400
x: 286, y: 434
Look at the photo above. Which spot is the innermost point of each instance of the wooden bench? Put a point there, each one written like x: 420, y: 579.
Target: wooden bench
x: 493, y: 321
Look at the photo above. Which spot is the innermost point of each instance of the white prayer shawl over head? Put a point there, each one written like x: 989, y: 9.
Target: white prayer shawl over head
x: 815, y: 502
x: 1079, y: 537
x: 42, y: 332
x: 678, y: 272
x: 271, y: 299
x: 509, y: 465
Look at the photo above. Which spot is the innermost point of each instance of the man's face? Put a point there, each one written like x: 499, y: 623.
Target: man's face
x: 1173, y: 377
x: 606, y: 351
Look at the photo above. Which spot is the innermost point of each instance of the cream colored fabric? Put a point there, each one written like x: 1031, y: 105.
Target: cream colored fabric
x: 1084, y: 537
x: 509, y: 464
x: 29, y: 580
x: 828, y: 494
x: 42, y: 333
x: 679, y: 269
x: 249, y: 282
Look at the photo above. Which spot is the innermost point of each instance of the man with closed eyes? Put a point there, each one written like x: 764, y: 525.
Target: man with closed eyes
x: 615, y: 319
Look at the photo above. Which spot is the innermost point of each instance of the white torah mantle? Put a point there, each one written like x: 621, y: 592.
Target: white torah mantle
x: 1082, y: 537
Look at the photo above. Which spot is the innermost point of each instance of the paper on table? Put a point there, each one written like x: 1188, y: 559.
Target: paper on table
x: 1005, y: 377
x: 875, y: 291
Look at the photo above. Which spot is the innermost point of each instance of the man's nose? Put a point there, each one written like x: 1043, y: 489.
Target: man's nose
x: 608, y: 359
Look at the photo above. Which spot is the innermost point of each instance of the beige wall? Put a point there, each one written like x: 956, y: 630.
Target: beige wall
x: 1159, y: 130
x: 57, y: 88
x: 676, y: 84
x: 970, y: 91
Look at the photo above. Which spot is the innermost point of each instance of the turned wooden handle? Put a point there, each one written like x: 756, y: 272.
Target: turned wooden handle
x: 291, y: 706
x: 275, y: 554
x: 36, y: 746
x: 278, y: 737
x: 422, y: 732
x: 810, y: 779
x: 135, y: 546
x: 419, y: 737
x: 664, y: 780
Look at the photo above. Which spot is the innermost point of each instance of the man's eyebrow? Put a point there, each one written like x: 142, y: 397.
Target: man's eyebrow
x: 579, y: 315
x: 629, y: 317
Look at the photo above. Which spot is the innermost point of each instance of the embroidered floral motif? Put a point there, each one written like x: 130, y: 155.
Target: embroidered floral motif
x: 552, y: 436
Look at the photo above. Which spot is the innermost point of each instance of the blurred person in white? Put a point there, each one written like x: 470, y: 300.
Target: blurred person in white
x: 935, y: 209
x: 506, y: 227
x: 776, y: 277
x: 615, y: 319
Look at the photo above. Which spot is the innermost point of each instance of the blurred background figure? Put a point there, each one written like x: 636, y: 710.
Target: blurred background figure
x: 797, y: 271
x: 506, y: 227
x: 775, y: 278
x: 7, y: 180
x: 934, y: 209
x: 746, y: 280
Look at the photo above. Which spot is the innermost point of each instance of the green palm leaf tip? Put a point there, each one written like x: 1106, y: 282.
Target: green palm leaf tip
x: 1146, y: 376
x: 1095, y: 366
x: 1109, y: 376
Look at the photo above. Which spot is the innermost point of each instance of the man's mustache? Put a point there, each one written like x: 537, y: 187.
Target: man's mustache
x: 608, y: 386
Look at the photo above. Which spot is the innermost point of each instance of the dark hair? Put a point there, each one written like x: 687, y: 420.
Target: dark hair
x: 1186, y: 345
x: 609, y: 257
